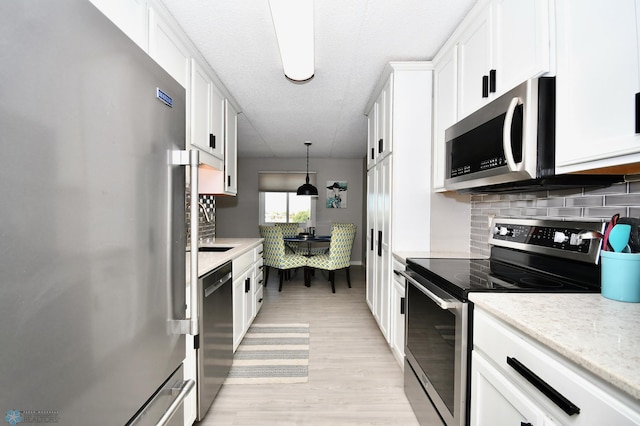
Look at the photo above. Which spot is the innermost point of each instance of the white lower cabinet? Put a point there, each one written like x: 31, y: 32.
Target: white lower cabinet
x: 247, y: 292
x: 397, y: 313
x: 516, y: 380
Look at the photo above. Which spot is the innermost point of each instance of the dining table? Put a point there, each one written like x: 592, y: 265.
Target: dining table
x: 308, y: 239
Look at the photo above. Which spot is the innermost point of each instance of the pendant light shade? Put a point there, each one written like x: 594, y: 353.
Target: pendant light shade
x: 307, y: 188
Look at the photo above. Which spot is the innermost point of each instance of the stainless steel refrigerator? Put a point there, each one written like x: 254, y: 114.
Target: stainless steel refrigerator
x: 92, y: 260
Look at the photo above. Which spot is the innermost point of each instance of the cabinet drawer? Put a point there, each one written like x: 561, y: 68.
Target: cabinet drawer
x: 259, y: 298
x: 597, y: 401
x: 242, y: 262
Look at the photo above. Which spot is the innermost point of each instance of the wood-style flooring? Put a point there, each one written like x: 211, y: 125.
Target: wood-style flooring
x: 353, y: 377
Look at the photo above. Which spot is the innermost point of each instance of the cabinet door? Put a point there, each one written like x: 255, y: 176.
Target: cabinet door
x: 522, y: 38
x: 216, y: 127
x: 130, y: 16
x: 372, y: 136
x: 385, y: 125
x: 239, y: 309
x: 383, y: 220
x: 249, y: 285
x: 475, y: 61
x: 597, y: 80
x: 444, y: 112
x: 231, y: 149
x: 167, y: 49
x: 371, y: 240
x: 496, y: 401
x: 200, y: 107
x: 397, y: 315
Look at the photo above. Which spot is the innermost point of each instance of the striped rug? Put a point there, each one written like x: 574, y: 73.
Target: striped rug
x: 272, y: 353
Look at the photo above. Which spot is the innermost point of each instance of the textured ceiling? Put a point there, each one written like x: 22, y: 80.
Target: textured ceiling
x: 353, y: 41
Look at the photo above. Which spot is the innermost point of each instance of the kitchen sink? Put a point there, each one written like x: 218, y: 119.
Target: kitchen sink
x: 214, y: 248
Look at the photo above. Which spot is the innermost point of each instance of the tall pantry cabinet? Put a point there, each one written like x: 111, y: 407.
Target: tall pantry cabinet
x: 398, y: 180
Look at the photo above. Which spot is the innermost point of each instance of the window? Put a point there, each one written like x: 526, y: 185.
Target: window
x: 282, y: 207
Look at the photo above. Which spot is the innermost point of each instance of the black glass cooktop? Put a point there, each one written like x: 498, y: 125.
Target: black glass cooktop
x: 461, y: 276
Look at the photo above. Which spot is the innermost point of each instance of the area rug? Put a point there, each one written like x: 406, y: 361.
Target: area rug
x: 272, y: 353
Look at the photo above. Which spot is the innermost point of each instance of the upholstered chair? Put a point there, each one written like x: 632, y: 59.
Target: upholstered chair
x: 274, y: 253
x: 339, y: 256
x: 290, y: 230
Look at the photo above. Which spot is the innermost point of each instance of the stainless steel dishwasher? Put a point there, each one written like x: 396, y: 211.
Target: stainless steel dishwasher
x: 214, y: 344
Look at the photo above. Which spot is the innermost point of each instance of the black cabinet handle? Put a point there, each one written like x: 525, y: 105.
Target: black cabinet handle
x: 260, y: 300
x: 380, y: 243
x: 373, y: 153
x: 380, y: 145
x: 485, y: 86
x: 556, y: 397
x: 228, y: 181
x: 525, y: 424
x: 371, y: 239
x: 638, y: 112
x: 492, y: 81
x: 247, y: 285
x: 212, y: 141
x: 402, y: 306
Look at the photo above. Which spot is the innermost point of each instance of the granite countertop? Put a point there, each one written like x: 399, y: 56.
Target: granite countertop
x: 207, y: 261
x: 598, y: 334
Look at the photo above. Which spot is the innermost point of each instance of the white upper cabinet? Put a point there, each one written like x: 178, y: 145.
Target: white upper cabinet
x: 475, y: 51
x: 167, y: 48
x: 523, y: 41
x: 597, y: 84
x: 231, y: 149
x: 130, y: 16
x: 444, y: 110
x: 207, y: 116
x: 379, y: 142
x: 501, y: 44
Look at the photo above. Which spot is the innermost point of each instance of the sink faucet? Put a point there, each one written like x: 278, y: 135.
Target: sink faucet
x: 204, y: 210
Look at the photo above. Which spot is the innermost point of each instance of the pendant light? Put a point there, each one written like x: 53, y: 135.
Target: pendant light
x: 307, y: 188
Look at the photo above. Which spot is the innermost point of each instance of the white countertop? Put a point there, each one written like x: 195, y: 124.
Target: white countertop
x: 598, y: 334
x: 208, y: 261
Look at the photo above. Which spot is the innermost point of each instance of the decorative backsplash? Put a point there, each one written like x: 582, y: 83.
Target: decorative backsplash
x: 206, y: 217
x: 577, y: 204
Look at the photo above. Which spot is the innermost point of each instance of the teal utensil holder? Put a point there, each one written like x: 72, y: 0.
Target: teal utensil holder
x: 620, y: 276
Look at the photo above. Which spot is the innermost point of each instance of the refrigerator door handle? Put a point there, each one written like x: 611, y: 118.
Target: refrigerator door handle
x: 190, y: 158
x: 145, y: 417
x: 183, y: 390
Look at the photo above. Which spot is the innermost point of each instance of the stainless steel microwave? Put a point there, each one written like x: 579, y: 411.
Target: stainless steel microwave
x: 510, y: 139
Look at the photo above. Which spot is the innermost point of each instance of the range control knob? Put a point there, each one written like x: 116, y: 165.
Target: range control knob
x: 560, y: 237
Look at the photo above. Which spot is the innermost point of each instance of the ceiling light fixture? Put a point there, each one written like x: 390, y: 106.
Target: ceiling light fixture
x: 307, y: 188
x: 293, y: 22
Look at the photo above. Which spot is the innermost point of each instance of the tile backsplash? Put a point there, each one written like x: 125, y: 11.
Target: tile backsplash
x: 206, y: 217
x: 576, y: 204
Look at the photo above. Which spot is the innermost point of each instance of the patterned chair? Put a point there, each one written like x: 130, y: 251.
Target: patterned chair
x: 290, y: 230
x: 342, y: 236
x: 274, y: 254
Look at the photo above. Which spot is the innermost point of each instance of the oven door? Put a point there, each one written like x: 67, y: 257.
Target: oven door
x: 436, y: 346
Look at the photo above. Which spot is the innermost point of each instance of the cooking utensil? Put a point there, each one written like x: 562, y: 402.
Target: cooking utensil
x: 634, y: 238
x: 619, y: 237
x: 610, y: 225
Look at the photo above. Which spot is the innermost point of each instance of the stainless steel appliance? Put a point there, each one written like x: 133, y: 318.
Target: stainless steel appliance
x: 526, y: 256
x: 509, y: 145
x: 92, y: 299
x: 214, y: 344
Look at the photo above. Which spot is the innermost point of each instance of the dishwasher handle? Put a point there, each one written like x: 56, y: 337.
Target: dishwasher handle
x: 216, y: 285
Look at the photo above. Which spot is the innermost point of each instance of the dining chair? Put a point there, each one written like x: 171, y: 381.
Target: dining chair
x: 339, y: 255
x: 290, y: 229
x: 275, y: 255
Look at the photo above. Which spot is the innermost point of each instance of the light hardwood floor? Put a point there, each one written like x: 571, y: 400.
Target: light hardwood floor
x: 353, y: 377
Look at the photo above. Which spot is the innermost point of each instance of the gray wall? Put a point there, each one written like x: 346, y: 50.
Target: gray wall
x: 238, y: 216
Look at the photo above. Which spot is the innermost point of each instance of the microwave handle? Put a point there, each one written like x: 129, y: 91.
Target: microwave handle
x: 506, y: 138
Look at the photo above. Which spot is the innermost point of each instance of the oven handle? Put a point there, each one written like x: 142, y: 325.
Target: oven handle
x: 443, y: 304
